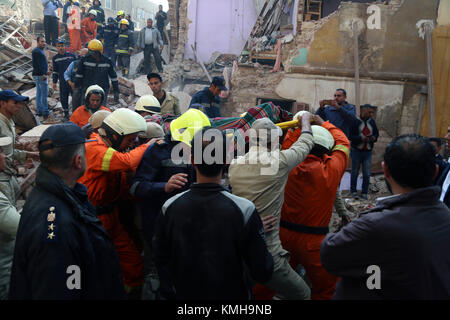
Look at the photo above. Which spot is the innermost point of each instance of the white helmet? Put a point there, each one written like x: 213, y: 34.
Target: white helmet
x: 124, y: 122
x: 97, y: 118
x: 154, y: 130
x: 322, y: 137
x: 93, y: 12
x: 148, y: 103
x: 93, y: 89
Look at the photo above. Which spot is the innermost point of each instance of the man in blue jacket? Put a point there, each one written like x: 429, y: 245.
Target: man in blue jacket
x: 363, y: 135
x: 208, y: 99
x: 40, y: 73
x: 61, y: 62
x: 401, y: 248
x: 340, y: 113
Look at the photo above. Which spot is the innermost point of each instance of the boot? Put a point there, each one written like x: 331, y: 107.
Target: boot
x: 126, y: 71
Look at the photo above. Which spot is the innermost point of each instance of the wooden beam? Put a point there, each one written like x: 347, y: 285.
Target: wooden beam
x: 356, y: 59
x: 201, y: 64
x: 345, y: 72
x: 428, y: 31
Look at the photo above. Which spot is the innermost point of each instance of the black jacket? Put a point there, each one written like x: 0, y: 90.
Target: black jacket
x: 209, y: 239
x: 39, y: 60
x: 60, y: 65
x: 210, y: 104
x: 47, y: 246
x: 407, y: 236
x: 151, y: 176
x: 356, y: 135
x: 91, y: 71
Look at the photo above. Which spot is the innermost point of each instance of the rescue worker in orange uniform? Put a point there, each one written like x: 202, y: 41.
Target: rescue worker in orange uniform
x: 308, y: 202
x: 93, y: 100
x: 89, y: 28
x: 108, y: 169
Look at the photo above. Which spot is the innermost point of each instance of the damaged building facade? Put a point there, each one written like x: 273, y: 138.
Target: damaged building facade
x: 318, y: 55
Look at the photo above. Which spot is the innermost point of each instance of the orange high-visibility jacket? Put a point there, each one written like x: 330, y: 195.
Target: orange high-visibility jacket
x: 311, y: 187
x: 88, y: 30
x: 106, y: 168
x: 82, y: 114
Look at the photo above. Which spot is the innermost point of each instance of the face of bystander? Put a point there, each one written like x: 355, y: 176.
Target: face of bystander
x: 155, y: 84
x: 10, y: 108
x: 367, y: 113
x: 340, y: 97
x: 41, y: 43
x: 149, y: 23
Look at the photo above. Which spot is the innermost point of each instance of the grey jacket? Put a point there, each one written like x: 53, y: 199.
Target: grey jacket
x: 157, y: 39
x: 407, y: 236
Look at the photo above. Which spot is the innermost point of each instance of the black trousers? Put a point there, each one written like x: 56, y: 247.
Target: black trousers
x: 163, y: 34
x: 51, y: 29
x: 148, y: 51
x: 64, y: 90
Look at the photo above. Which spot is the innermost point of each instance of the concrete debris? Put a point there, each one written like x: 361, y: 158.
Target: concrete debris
x: 141, y: 87
x: 191, y: 89
x: 184, y: 100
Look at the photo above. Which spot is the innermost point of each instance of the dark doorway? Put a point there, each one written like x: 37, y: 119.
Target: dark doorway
x: 285, y: 104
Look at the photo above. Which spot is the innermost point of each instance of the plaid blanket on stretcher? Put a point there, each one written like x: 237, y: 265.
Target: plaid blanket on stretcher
x: 239, y: 124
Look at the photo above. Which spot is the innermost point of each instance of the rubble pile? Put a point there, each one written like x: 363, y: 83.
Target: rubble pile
x: 15, y: 60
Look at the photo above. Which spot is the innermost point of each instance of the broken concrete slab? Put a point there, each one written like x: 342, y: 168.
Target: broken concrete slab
x: 141, y: 87
x: 192, y: 89
x: 31, y: 93
x: 36, y: 132
x: 25, y: 119
x: 184, y: 100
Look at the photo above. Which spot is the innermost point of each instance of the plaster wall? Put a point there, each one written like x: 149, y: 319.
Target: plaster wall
x: 216, y: 25
x: 444, y: 13
x: 311, y: 89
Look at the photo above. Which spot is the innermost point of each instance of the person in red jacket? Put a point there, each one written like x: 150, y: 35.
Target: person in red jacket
x: 93, y: 100
x: 109, y: 168
x: 308, y: 202
x: 89, y: 28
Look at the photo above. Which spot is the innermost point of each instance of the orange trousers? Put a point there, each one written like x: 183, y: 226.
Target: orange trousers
x: 305, y: 250
x: 75, y: 39
x: 131, y: 261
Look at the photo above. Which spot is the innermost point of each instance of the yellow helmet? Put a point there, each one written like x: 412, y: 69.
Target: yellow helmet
x: 322, y: 137
x: 148, y: 103
x: 95, y: 45
x: 186, y: 126
x: 97, y: 118
x: 124, y: 122
x: 120, y: 13
x: 124, y: 21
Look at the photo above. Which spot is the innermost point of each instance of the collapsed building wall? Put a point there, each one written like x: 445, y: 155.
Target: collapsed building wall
x: 320, y: 59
